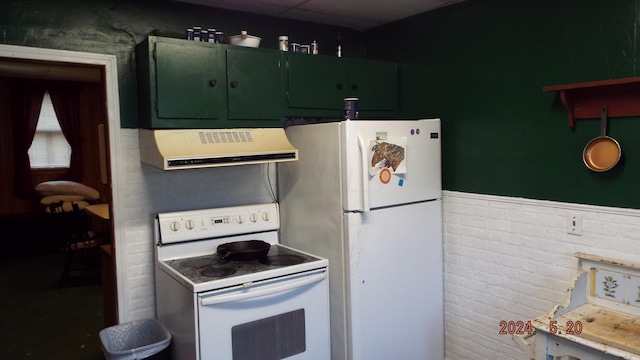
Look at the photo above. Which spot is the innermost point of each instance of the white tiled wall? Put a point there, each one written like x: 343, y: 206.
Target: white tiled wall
x: 511, y: 259
x: 147, y: 191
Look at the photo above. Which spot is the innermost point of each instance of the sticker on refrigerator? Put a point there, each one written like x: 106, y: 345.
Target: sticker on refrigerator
x: 381, y: 135
x: 390, y: 156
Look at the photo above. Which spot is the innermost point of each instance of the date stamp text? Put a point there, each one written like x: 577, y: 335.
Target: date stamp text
x: 521, y: 327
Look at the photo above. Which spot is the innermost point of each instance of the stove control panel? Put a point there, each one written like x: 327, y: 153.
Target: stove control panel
x: 210, y: 223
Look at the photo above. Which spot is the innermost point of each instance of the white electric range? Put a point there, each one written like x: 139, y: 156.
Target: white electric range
x: 269, y: 308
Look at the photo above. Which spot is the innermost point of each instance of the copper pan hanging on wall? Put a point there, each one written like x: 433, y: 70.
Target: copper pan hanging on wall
x: 603, y: 152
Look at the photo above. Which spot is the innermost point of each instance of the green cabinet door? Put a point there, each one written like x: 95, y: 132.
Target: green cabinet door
x: 255, y: 87
x: 374, y: 83
x: 318, y: 85
x: 191, y: 80
x: 317, y: 81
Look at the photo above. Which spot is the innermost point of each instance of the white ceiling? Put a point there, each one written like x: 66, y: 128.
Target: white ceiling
x: 356, y: 14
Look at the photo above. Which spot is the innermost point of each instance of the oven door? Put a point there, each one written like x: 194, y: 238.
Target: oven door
x: 287, y: 317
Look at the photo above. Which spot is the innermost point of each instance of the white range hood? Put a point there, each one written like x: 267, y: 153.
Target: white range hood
x: 203, y: 148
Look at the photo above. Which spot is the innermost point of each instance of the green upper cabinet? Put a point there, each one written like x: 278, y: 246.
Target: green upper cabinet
x: 317, y: 85
x: 190, y: 85
x: 187, y: 84
x: 317, y: 82
x: 256, y: 82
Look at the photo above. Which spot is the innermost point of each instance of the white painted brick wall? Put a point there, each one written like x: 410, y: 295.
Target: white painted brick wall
x: 511, y: 259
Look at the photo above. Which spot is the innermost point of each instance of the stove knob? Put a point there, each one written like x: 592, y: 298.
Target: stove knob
x: 190, y: 224
x: 175, y: 226
x: 253, y: 217
x: 240, y: 219
x: 266, y: 216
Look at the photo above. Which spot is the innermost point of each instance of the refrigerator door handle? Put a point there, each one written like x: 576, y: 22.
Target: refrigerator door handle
x: 365, y: 174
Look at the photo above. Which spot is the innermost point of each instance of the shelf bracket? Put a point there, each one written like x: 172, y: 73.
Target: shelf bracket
x: 585, y: 100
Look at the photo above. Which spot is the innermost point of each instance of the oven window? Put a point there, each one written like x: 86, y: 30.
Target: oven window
x: 272, y: 338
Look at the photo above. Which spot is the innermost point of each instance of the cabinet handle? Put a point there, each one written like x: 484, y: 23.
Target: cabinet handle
x: 213, y: 82
x: 339, y: 86
x: 354, y: 87
x: 234, y: 84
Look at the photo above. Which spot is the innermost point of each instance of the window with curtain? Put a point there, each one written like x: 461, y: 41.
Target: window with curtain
x: 49, y: 148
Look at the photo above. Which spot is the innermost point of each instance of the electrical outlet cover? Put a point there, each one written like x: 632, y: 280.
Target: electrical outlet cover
x: 574, y: 224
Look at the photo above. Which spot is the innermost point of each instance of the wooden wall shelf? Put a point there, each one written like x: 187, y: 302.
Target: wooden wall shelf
x: 585, y: 100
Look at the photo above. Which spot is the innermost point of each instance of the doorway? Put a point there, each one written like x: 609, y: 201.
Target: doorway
x: 76, y: 63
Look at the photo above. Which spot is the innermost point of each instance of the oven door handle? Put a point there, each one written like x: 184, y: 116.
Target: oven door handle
x: 258, y: 293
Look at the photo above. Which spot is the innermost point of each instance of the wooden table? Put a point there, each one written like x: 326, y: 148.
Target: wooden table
x: 99, y: 211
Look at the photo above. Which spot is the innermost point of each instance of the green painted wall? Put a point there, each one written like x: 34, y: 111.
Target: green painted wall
x: 116, y: 26
x: 480, y: 65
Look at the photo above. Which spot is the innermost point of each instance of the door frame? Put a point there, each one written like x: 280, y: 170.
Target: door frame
x: 109, y: 62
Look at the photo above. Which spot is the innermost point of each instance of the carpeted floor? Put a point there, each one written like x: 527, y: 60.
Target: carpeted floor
x: 38, y: 320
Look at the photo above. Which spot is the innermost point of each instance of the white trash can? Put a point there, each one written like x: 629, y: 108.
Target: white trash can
x: 134, y: 340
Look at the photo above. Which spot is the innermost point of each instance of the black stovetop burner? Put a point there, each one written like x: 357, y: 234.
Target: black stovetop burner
x: 217, y: 272
x: 210, y: 267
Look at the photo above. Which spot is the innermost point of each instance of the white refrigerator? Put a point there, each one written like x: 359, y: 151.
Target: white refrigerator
x: 367, y: 195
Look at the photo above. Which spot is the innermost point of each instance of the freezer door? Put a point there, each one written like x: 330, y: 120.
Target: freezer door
x: 396, y: 283
x: 390, y: 162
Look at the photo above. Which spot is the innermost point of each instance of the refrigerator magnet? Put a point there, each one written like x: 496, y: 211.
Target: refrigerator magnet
x: 385, y: 176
